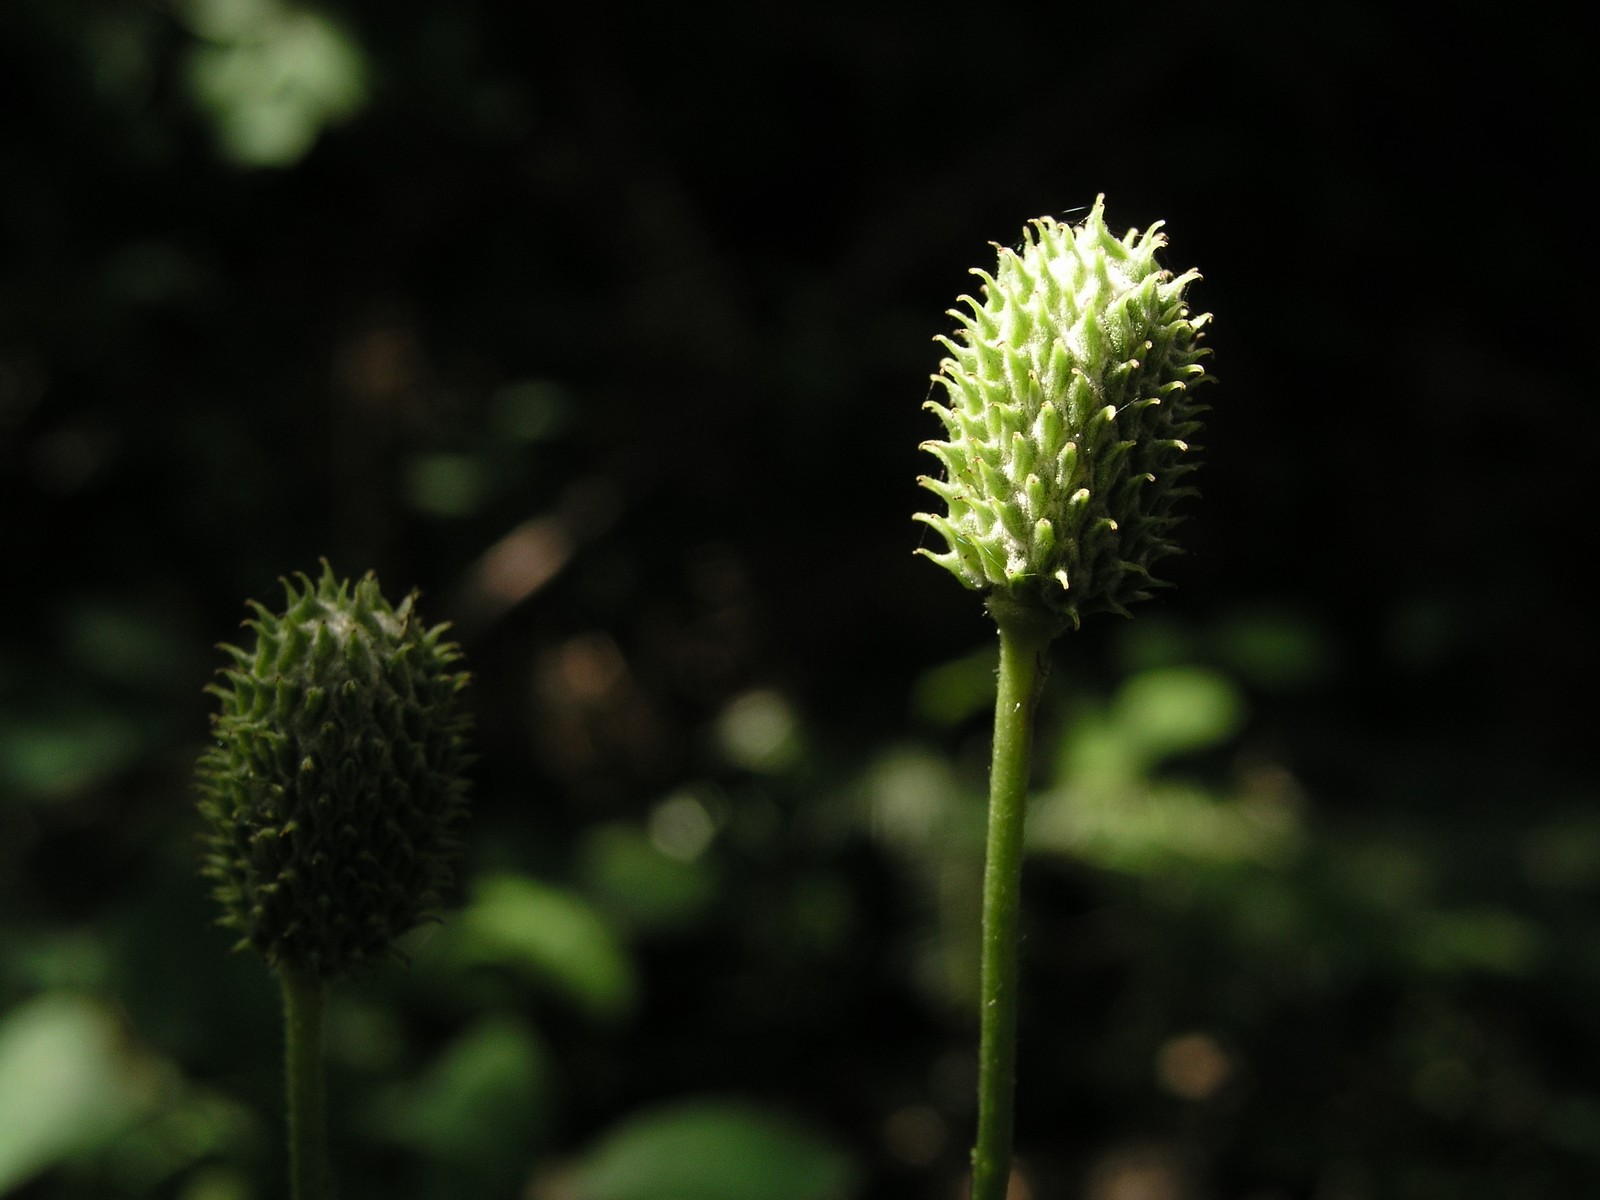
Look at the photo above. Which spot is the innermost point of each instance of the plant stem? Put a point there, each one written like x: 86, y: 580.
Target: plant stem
x: 308, y: 1126
x: 1022, y: 645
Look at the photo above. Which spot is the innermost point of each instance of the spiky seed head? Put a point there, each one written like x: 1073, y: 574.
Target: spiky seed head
x: 334, y: 788
x: 1069, y: 420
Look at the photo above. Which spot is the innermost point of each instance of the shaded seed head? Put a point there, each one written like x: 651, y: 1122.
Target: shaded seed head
x: 335, y: 784
x: 1069, y: 417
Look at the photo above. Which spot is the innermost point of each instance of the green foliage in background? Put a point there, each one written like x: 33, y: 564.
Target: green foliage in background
x: 517, y: 306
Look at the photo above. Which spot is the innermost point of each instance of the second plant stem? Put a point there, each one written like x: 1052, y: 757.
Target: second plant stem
x: 303, y: 1039
x: 1022, y: 647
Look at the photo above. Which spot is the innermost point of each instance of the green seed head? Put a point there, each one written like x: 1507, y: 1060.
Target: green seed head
x: 1069, y: 421
x: 336, y: 782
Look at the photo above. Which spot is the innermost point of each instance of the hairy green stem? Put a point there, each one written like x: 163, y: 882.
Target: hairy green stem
x: 1023, y: 642
x: 308, y: 1126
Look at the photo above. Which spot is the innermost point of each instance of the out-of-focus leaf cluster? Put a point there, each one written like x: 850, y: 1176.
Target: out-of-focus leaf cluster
x: 616, y: 352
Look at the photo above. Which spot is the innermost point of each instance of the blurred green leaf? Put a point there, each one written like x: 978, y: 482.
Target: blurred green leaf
x: 1143, y: 830
x: 1482, y: 939
x: 57, y: 958
x: 448, y: 485
x: 707, y: 1149
x: 1275, y: 649
x: 758, y: 731
x: 217, y: 1183
x: 119, y: 643
x: 55, y: 753
x: 919, y: 810
x: 1177, y: 710
x: 271, y: 76
x: 681, y: 825
x: 1155, y: 715
x: 548, y: 934
x: 1156, y: 639
x: 476, y: 1111
x: 534, y: 410
x: 914, y: 798
x: 1390, y: 874
x: 639, y: 885
x: 956, y: 690
x: 69, y: 1082
x: 190, y: 1126
x: 1563, y: 854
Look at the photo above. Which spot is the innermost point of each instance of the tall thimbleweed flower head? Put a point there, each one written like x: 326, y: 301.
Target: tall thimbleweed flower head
x: 1068, y: 419
x: 336, y: 783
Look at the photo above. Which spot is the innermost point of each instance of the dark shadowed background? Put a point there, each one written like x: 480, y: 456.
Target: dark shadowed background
x: 608, y: 328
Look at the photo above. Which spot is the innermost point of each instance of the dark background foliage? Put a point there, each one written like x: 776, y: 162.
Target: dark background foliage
x: 608, y: 328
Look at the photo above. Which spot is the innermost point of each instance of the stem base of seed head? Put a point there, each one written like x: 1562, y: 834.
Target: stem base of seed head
x: 307, y: 1095
x: 1022, y: 647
